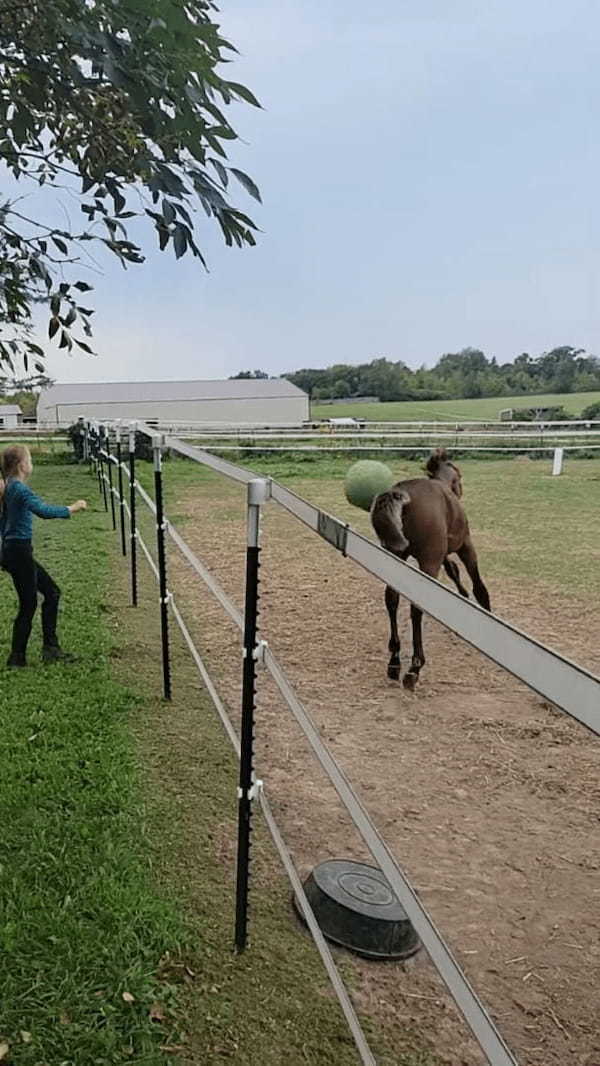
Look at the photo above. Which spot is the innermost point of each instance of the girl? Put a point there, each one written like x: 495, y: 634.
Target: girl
x: 17, y: 505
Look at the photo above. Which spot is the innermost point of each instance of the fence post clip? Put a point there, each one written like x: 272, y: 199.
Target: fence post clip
x: 255, y: 788
x: 260, y: 651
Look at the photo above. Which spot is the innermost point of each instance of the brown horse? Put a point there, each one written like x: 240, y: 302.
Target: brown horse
x: 424, y: 518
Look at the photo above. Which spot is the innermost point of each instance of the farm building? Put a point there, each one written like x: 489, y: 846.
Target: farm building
x: 255, y: 401
x: 10, y: 416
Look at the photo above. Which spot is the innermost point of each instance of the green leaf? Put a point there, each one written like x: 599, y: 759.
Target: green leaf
x: 243, y: 92
x: 55, y: 304
x: 84, y: 346
x: 221, y: 171
x: 168, y: 212
x: 60, y: 244
x: 53, y: 326
x: 184, y: 214
x: 83, y: 286
x: 225, y: 133
x: 180, y: 240
x: 247, y: 183
x: 64, y: 340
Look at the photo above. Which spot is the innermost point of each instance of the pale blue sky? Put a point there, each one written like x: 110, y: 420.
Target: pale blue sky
x: 429, y: 170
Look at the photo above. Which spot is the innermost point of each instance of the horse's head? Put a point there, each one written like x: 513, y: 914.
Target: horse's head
x: 439, y: 466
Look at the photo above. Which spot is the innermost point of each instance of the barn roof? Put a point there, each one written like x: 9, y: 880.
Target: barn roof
x: 132, y: 391
x: 10, y: 409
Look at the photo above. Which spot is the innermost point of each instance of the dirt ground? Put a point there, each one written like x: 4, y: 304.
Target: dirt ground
x: 489, y: 799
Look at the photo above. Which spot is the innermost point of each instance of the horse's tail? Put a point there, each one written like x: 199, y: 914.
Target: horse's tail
x: 435, y: 460
x: 386, y: 518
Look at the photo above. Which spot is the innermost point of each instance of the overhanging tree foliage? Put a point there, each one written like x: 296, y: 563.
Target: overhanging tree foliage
x: 121, y: 101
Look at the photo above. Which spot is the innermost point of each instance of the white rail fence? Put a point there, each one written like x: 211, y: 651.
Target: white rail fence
x: 566, y: 685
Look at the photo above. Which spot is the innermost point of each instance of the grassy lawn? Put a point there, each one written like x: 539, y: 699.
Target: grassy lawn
x: 453, y: 410
x: 81, y: 928
x: 117, y: 849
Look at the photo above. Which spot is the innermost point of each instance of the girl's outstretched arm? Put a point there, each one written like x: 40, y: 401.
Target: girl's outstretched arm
x: 46, y: 510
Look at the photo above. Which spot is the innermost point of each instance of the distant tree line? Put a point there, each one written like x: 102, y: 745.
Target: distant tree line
x: 457, y: 375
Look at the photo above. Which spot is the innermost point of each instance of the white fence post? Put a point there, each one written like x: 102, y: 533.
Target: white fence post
x: 558, y: 462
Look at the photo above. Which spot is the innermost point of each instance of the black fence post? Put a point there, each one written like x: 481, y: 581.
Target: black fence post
x: 86, y: 442
x: 110, y: 483
x: 132, y: 520
x: 96, y: 453
x: 258, y: 493
x: 120, y: 485
x: 162, y: 566
x: 91, y: 448
x: 102, y: 439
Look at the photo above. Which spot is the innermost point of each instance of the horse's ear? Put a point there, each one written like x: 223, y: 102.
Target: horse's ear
x: 435, y: 461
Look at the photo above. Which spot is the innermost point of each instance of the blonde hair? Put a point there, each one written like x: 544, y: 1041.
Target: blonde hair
x: 11, y: 463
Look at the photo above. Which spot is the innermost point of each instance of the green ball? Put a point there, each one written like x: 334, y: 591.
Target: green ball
x: 365, y: 480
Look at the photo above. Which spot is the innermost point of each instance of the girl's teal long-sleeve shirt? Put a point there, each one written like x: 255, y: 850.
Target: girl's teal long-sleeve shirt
x: 19, y: 505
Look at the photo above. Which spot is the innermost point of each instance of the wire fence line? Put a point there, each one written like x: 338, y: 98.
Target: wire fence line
x: 327, y: 449
x: 568, y: 686
x: 362, y: 1045
x: 391, y: 435
x: 363, y: 1048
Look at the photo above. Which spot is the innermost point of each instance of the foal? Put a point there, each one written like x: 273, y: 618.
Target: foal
x: 425, y: 518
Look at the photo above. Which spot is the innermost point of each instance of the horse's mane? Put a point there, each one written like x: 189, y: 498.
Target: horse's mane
x: 436, y: 459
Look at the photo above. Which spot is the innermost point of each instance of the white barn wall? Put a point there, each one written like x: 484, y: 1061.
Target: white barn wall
x: 260, y: 402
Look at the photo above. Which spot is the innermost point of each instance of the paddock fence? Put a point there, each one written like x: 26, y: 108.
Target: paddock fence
x: 535, y: 440
x: 561, y: 682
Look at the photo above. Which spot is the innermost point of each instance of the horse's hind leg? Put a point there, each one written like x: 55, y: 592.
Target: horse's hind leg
x: 392, y: 599
x: 454, y: 574
x: 418, y: 660
x: 429, y: 565
x: 468, y: 557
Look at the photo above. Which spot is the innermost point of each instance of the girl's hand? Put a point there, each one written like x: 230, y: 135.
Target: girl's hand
x: 80, y: 505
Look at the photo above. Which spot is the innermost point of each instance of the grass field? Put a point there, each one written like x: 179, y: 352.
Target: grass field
x: 452, y: 410
x: 80, y: 924
x: 117, y: 851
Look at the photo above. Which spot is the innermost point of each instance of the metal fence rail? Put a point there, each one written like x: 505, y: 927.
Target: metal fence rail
x: 174, y: 426
x: 571, y: 688
x: 445, y: 434
x: 327, y: 448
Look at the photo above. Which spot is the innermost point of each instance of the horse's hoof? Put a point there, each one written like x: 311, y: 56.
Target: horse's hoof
x: 409, y: 682
x: 394, y: 673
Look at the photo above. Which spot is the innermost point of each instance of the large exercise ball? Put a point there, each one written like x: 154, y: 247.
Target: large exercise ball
x: 365, y: 480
